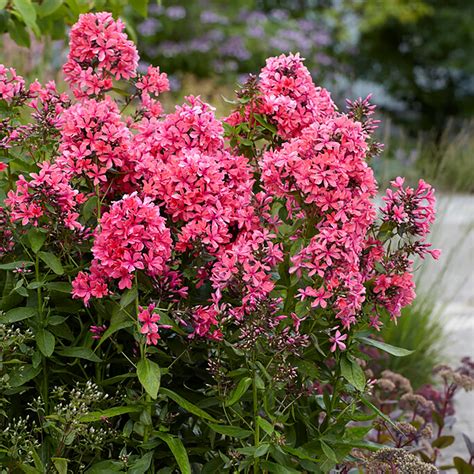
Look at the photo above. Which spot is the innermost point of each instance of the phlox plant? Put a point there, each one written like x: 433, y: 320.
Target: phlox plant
x: 186, y: 293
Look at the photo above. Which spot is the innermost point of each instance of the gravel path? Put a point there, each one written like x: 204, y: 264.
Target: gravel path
x: 451, y: 280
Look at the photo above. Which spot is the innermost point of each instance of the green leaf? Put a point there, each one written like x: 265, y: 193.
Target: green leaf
x: 17, y: 264
x: 36, y: 239
x: 188, y: 406
x: 395, y: 351
x: 106, y: 467
x: 149, y: 375
x: 119, y: 320
x: 60, y: 464
x: 30, y: 469
x: 265, y: 425
x: 443, y: 442
x: 128, y: 297
x: 232, y: 431
x: 23, y: 374
x: 328, y: 451
x: 239, y: 391
x: 45, y: 341
x: 178, y: 450
x: 109, y: 413
x: 80, y: 353
x: 462, y: 466
x: 277, y: 468
x: 382, y: 415
x: 141, y: 465
x: 18, y: 32
x: 27, y: 11
x: 48, y: 7
x: 61, y: 286
x: 299, y: 453
x: 17, y: 314
x: 353, y: 373
x: 140, y: 6
x: 261, y: 450
x: 52, y: 262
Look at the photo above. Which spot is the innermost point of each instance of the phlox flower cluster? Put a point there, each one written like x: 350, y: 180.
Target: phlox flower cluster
x: 412, y: 209
x: 99, y: 52
x: 131, y: 236
x: 11, y: 85
x: 324, y: 176
x: 207, y: 196
x: 192, y: 125
x: 151, y: 85
x: 287, y: 96
x: 49, y: 194
x: 47, y: 104
x: 149, y: 323
x: 93, y: 140
x: 195, y: 216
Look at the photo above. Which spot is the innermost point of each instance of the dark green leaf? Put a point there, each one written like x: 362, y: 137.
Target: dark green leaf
x: 52, y: 262
x: 141, y: 465
x: 299, y: 453
x: 277, y: 468
x: 462, y: 466
x: 18, y: 33
x: 265, y: 425
x: 36, y: 239
x: 109, y: 413
x: 61, y: 286
x: 45, y: 341
x: 23, y: 374
x: 120, y: 320
x: 178, y: 450
x: 17, y: 314
x: 328, y: 451
x: 128, y: 297
x: 353, y: 373
x: 382, y: 415
x: 106, y: 467
x: 60, y: 464
x: 149, y: 375
x: 443, y: 442
x: 395, y: 351
x: 188, y: 406
x: 80, y: 353
x: 232, y: 431
x: 17, y: 264
x: 239, y: 391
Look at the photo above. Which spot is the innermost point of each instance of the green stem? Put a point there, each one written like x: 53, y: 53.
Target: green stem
x: 256, y: 463
x: 147, y: 430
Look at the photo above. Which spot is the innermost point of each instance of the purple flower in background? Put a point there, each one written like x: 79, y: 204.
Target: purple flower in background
x: 279, y: 15
x: 149, y: 27
x: 176, y: 12
x: 210, y: 17
x: 256, y: 32
x: 235, y: 47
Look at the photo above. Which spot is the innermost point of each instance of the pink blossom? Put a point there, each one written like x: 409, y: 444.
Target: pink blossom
x: 99, y: 52
x: 336, y: 341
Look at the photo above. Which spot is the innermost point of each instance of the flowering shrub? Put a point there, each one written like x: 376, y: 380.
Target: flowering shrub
x: 213, y: 280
